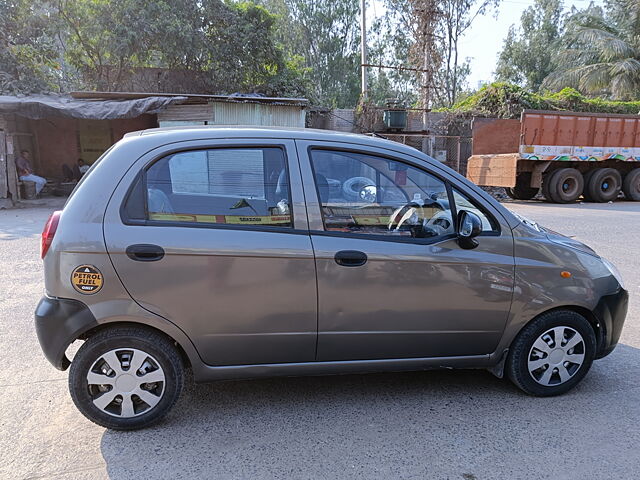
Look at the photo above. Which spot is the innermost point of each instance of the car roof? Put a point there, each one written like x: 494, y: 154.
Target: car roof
x: 234, y: 131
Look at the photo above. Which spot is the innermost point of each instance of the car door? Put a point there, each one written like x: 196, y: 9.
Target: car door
x: 392, y: 280
x: 213, y: 236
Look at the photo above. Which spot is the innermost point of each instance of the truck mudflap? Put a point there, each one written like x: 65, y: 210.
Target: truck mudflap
x: 60, y: 321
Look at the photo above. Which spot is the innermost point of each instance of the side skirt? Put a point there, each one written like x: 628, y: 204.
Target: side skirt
x: 207, y: 373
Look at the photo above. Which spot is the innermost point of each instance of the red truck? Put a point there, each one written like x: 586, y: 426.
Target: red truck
x: 566, y: 154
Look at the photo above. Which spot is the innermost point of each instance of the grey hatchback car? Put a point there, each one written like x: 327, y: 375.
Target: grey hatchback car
x: 250, y: 252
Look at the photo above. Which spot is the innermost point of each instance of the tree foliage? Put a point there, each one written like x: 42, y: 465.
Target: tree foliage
x: 504, y: 100
x: 403, y: 32
x: 325, y: 36
x: 100, y: 44
x: 28, y: 54
x: 601, y: 51
x: 527, y: 56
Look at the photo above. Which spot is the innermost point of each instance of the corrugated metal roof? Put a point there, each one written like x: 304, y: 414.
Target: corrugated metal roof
x: 257, y: 114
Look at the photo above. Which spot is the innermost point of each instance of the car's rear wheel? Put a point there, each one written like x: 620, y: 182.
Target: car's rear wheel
x: 126, y: 378
x: 552, y: 354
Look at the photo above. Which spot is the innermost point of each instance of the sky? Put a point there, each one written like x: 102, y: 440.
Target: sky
x: 483, y: 41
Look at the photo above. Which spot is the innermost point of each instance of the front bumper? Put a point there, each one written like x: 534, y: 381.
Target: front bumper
x: 611, y: 312
x: 60, y: 321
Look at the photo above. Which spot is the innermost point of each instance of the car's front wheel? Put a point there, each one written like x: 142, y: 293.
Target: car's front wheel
x: 126, y: 378
x: 552, y: 354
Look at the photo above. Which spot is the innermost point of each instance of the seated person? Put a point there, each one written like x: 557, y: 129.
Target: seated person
x: 25, y: 172
x: 83, y: 167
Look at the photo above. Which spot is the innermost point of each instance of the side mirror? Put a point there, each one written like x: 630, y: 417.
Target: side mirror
x: 469, y: 227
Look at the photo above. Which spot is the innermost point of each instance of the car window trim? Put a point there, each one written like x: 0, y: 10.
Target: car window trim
x: 166, y: 223
x: 448, y: 185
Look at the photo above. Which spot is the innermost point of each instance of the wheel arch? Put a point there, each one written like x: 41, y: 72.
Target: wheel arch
x: 122, y: 323
x: 599, y: 330
x: 597, y: 325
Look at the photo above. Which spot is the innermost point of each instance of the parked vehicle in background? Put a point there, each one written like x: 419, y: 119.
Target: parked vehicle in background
x: 566, y: 155
x: 247, y: 252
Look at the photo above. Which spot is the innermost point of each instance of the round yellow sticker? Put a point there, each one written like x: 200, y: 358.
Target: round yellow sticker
x: 86, y: 279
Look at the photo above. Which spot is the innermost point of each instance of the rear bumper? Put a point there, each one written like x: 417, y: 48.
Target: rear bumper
x: 60, y: 321
x: 611, y: 312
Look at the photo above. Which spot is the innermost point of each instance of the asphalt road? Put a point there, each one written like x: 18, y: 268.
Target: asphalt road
x: 425, y: 425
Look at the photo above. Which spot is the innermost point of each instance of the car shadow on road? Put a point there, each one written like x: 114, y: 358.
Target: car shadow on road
x: 403, y: 425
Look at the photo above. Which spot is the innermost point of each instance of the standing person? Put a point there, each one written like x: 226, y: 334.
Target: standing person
x: 25, y: 172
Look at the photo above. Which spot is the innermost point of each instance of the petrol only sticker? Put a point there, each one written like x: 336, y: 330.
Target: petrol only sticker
x: 87, y: 279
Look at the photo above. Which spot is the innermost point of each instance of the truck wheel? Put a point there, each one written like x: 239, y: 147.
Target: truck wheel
x: 566, y: 185
x: 631, y: 185
x: 604, y: 185
x: 510, y: 193
x: 126, y: 378
x: 547, y: 190
x: 523, y: 190
x: 585, y: 191
x: 552, y: 354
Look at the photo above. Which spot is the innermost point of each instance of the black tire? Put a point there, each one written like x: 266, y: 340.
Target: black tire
x: 585, y: 191
x: 547, y: 184
x: 516, y: 367
x: 161, y: 350
x: 566, y: 185
x: 522, y: 190
x: 604, y: 185
x: 631, y: 185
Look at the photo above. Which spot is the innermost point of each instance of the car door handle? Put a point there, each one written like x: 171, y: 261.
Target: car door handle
x: 145, y: 252
x: 350, y: 258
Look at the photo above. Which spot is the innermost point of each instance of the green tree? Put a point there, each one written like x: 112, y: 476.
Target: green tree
x: 527, y: 56
x: 414, y: 27
x: 28, y: 53
x: 216, y: 46
x: 326, y: 35
x: 601, y: 54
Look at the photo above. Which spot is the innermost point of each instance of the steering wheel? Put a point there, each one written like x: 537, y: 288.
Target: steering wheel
x: 403, y: 215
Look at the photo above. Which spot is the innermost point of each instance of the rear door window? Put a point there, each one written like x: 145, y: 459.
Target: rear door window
x: 222, y: 186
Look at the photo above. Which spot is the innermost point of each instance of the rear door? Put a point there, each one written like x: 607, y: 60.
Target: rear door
x: 392, y: 280
x: 213, y: 236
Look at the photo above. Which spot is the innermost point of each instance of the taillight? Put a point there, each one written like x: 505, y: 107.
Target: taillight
x: 49, y: 231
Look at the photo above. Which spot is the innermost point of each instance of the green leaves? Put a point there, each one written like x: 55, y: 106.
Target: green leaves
x: 601, y: 54
x: 207, y: 46
x: 527, y: 56
x: 504, y: 100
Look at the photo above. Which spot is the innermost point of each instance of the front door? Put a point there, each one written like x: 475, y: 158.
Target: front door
x: 392, y: 281
x: 214, y: 238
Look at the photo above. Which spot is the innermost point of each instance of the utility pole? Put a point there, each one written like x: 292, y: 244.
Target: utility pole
x: 363, y: 47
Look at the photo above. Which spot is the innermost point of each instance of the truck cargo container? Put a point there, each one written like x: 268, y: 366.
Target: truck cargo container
x: 565, y: 154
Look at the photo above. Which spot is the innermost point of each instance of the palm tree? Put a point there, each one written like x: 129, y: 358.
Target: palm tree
x: 602, y: 56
